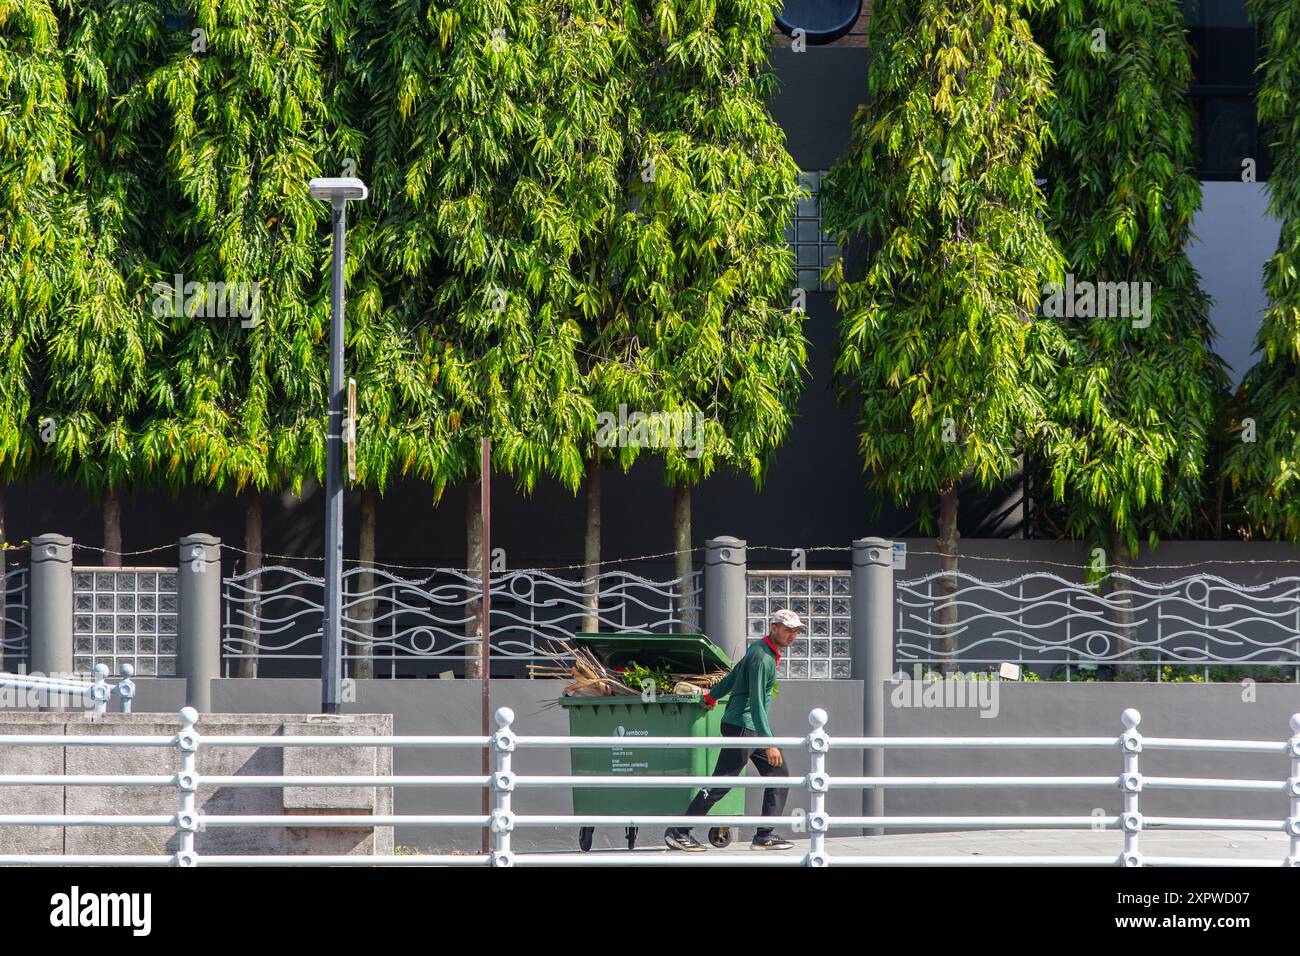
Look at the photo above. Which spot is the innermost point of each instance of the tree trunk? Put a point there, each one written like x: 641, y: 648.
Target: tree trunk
x: 682, y: 565
x: 365, y: 666
x: 112, y: 508
x: 474, y: 567
x: 252, y: 562
x: 1126, y: 666
x: 591, y: 548
x: 947, y: 542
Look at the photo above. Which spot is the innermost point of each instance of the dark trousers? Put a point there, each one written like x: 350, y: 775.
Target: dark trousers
x: 730, y: 763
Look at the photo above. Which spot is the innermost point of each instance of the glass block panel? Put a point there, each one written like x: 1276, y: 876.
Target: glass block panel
x: 841, y: 670
x: 82, y: 664
x: 820, y: 607
x: 103, y: 602
x: 148, y: 581
x: 148, y: 645
x: 103, y: 645
x: 799, y: 606
x: 799, y: 649
x: 798, y: 585
x: 757, y: 626
x: 125, y: 581
x: 84, y: 602
x: 126, y: 623
x: 103, y: 581
x: 819, y: 670
x: 148, y: 602
x: 821, y: 648
x: 104, y: 623
x: 821, y: 585
x: 167, y: 645
x: 798, y: 669
x: 167, y: 582
x: 167, y: 602
x: 84, y: 581
x: 756, y: 584
x: 167, y: 667
x: 85, y: 623
x: 757, y: 606
x: 146, y: 667
x: 840, y: 584
x: 783, y: 669
x: 126, y: 602
x: 840, y: 627
x: 819, y: 626
x: 778, y: 585
x: 840, y: 607
x: 146, y: 624
x: 841, y: 648
x: 84, y: 645
x: 125, y: 645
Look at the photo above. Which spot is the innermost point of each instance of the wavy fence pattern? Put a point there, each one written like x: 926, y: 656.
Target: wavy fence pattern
x: 275, y: 613
x: 14, y: 644
x: 1044, y: 619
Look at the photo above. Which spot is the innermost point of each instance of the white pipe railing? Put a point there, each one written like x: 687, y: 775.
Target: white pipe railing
x: 504, y: 782
x: 50, y: 690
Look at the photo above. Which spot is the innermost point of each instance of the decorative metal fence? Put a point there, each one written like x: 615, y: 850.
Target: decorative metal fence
x: 505, y: 785
x: 822, y: 599
x: 125, y: 616
x: 406, y: 626
x: 1056, y: 626
x: 15, y: 637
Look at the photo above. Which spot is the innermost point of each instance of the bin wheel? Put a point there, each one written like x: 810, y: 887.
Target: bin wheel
x: 584, y: 838
x: 631, y: 837
x: 720, y: 837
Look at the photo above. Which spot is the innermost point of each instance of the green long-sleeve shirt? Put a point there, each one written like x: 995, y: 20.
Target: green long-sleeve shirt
x: 750, y: 684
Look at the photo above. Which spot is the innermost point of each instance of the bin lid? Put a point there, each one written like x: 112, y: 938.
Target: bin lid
x: 682, y: 653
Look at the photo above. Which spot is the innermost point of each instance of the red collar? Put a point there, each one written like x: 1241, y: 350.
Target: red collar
x: 767, y: 639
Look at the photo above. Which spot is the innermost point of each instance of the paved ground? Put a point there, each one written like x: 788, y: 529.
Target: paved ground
x: 1219, y: 844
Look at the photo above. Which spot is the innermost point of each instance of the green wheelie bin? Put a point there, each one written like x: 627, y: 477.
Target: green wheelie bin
x: 659, y: 716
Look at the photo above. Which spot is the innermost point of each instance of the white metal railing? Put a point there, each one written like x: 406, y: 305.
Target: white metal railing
x: 54, y: 690
x: 503, y: 820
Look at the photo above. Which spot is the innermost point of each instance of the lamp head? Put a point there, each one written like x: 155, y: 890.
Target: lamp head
x: 334, y: 188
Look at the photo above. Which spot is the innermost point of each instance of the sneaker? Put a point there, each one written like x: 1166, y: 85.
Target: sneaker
x: 771, y: 842
x: 682, y: 840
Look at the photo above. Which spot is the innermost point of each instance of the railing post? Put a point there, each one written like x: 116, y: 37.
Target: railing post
x: 187, y: 782
x: 872, y: 586
x: 818, y: 782
x: 100, y: 690
x: 125, y: 688
x: 503, y: 784
x: 1293, y: 785
x: 51, y: 614
x: 724, y: 594
x: 1131, y: 742
x: 199, y: 617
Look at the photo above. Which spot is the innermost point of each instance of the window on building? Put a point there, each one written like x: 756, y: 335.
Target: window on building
x: 813, y: 249
x: 1226, y: 51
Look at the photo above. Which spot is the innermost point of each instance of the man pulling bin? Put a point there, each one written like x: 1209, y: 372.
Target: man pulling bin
x: 750, y: 684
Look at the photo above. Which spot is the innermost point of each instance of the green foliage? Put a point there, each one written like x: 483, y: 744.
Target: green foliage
x: 640, y: 678
x: 939, y: 181
x: 1131, y: 408
x: 1266, y: 472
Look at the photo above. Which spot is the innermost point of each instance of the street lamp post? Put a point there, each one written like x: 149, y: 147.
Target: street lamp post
x: 337, y: 191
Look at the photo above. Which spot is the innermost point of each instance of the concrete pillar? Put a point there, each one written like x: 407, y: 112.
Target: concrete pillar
x: 51, y: 597
x: 873, y: 652
x: 199, y: 617
x: 724, y: 594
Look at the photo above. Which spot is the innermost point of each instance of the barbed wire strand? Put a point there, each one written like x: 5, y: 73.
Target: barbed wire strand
x: 382, y: 565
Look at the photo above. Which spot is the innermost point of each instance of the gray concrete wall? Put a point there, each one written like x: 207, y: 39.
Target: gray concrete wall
x: 212, y: 761
x: 1168, y: 710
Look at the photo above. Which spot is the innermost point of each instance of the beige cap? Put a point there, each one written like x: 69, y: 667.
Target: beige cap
x: 787, y: 618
